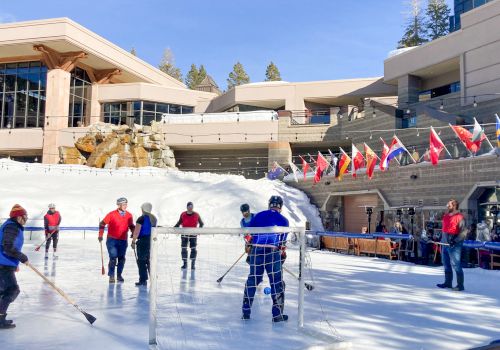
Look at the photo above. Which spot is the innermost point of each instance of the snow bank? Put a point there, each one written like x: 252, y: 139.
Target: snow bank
x: 85, y: 195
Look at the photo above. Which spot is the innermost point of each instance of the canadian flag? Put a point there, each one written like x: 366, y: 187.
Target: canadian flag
x: 383, y: 156
x: 358, y: 161
x: 435, y: 146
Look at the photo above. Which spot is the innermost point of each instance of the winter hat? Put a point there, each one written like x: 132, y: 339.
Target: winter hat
x: 147, y: 207
x: 17, y: 210
x: 52, y: 205
x: 121, y: 200
x: 189, y: 204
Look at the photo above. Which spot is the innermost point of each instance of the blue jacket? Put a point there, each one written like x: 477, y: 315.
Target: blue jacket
x: 244, y: 223
x: 11, y: 243
x: 268, y: 218
x: 147, y: 222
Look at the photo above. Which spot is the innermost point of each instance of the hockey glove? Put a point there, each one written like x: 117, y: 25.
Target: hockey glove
x: 132, y: 244
x: 99, y: 238
x: 283, y: 253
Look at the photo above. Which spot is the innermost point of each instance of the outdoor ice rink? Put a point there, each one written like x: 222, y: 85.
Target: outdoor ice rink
x: 371, y: 303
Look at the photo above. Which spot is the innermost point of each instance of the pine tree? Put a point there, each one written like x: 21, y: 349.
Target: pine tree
x: 415, y: 31
x: 272, y: 73
x: 437, y: 24
x: 133, y: 52
x: 192, y: 77
x: 195, y: 76
x: 238, y: 76
x: 167, y: 65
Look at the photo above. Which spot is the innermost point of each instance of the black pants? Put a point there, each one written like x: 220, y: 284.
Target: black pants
x: 9, y: 290
x: 143, y: 248
x: 54, y: 237
x: 192, y: 244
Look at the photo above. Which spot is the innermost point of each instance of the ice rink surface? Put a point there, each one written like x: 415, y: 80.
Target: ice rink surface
x: 373, y: 303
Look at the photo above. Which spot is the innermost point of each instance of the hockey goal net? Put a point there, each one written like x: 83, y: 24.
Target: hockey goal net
x: 202, y: 307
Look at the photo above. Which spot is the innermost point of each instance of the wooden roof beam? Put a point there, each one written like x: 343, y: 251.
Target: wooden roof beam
x: 56, y: 60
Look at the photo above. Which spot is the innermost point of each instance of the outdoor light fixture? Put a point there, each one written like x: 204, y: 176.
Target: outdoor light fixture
x: 399, y: 212
x: 474, y: 103
x: 374, y: 114
x: 413, y: 177
x: 411, y: 211
x: 494, y: 210
x: 442, y: 105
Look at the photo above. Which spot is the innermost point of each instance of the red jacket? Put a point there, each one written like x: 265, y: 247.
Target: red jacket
x: 189, y: 220
x: 52, y: 221
x: 118, y: 225
x: 451, y: 223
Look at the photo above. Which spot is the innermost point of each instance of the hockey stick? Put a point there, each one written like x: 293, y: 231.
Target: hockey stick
x: 224, y: 275
x: 103, y: 271
x: 46, y: 239
x: 307, y: 285
x: 88, y: 316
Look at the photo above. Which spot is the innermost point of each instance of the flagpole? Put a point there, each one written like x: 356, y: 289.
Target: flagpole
x: 306, y: 162
x: 408, y: 152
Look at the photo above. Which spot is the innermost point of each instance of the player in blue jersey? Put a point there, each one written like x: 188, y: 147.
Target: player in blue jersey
x: 267, y: 253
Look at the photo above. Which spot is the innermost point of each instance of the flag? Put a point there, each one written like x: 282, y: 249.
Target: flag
x: 371, y: 161
x: 305, y: 167
x: 435, y: 146
x: 275, y: 172
x: 358, y: 161
x: 383, y: 156
x: 335, y: 160
x: 498, y: 131
x: 294, y: 169
x: 344, y: 162
x: 466, y: 137
x: 321, y: 165
x: 395, y: 149
x: 477, y: 132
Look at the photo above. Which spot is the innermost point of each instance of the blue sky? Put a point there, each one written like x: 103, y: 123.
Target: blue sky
x: 325, y: 39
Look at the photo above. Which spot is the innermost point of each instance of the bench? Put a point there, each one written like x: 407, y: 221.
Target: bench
x: 338, y: 244
x: 375, y: 247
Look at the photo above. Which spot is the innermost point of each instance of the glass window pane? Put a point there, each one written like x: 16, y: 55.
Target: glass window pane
x: 20, y: 104
x: 187, y: 109
x: 10, y: 83
x: 9, y: 104
x: 162, y: 108
x: 32, y: 106
x: 31, y: 122
x: 149, y: 106
x: 175, y: 109
x: 137, y: 105
x: 19, y: 122
x: 147, y: 118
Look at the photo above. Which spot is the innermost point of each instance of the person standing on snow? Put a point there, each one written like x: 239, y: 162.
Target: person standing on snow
x: 51, y: 221
x: 245, y: 222
x: 142, y: 235
x: 267, y: 253
x: 119, y: 221
x: 11, y: 244
x: 189, y: 218
x: 454, y: 232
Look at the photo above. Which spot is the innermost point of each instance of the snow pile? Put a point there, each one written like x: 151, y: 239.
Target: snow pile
x: 85, y: 195
x: 226, y: 117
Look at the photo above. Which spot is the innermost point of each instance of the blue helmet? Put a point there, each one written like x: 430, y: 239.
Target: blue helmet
x: 244, y: 207
x: 275, y: 202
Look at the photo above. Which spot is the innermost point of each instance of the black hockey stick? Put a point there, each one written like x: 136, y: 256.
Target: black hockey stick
x: 224, y: 275
x: 88, y: 316
x: 307, y: 285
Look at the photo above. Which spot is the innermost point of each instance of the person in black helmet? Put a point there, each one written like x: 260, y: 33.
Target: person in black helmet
x: 245, y: 222
x: 267, y: 253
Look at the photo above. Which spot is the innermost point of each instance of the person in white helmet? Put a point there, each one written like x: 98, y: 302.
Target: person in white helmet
x: 51, y: 221
x: 119, y: 221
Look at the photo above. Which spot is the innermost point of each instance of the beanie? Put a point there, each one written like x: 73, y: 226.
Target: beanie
x: 147, y: 207
x: 17, y: 210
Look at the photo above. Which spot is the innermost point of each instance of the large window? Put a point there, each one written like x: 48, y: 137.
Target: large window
x: 144, y: 112
x: 79, y: 97
x: 439, y: 91
x: 22, y: 94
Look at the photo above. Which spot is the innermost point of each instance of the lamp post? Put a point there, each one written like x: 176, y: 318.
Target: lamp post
x: 369, y: 212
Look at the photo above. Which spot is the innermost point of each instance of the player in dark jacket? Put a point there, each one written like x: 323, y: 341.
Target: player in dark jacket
x: 11, y: 244
x: 51, y: 221
x: 267, y: 253
x: 142, y: 235
x: 189, y: 218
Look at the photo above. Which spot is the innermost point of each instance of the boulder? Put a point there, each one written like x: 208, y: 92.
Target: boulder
x: 125, y: 158
x: 86, y: 143
x: 141, y: 157
x: 104, y: 150
x: 71, y: 155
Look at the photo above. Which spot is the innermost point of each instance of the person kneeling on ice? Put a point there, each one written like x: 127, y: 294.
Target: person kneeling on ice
x: 189, y: 218
x: 119, y: 222
x: 11, y: 244
x: 267, y: 253
x: 51, y: 221
x: 142, y: 234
